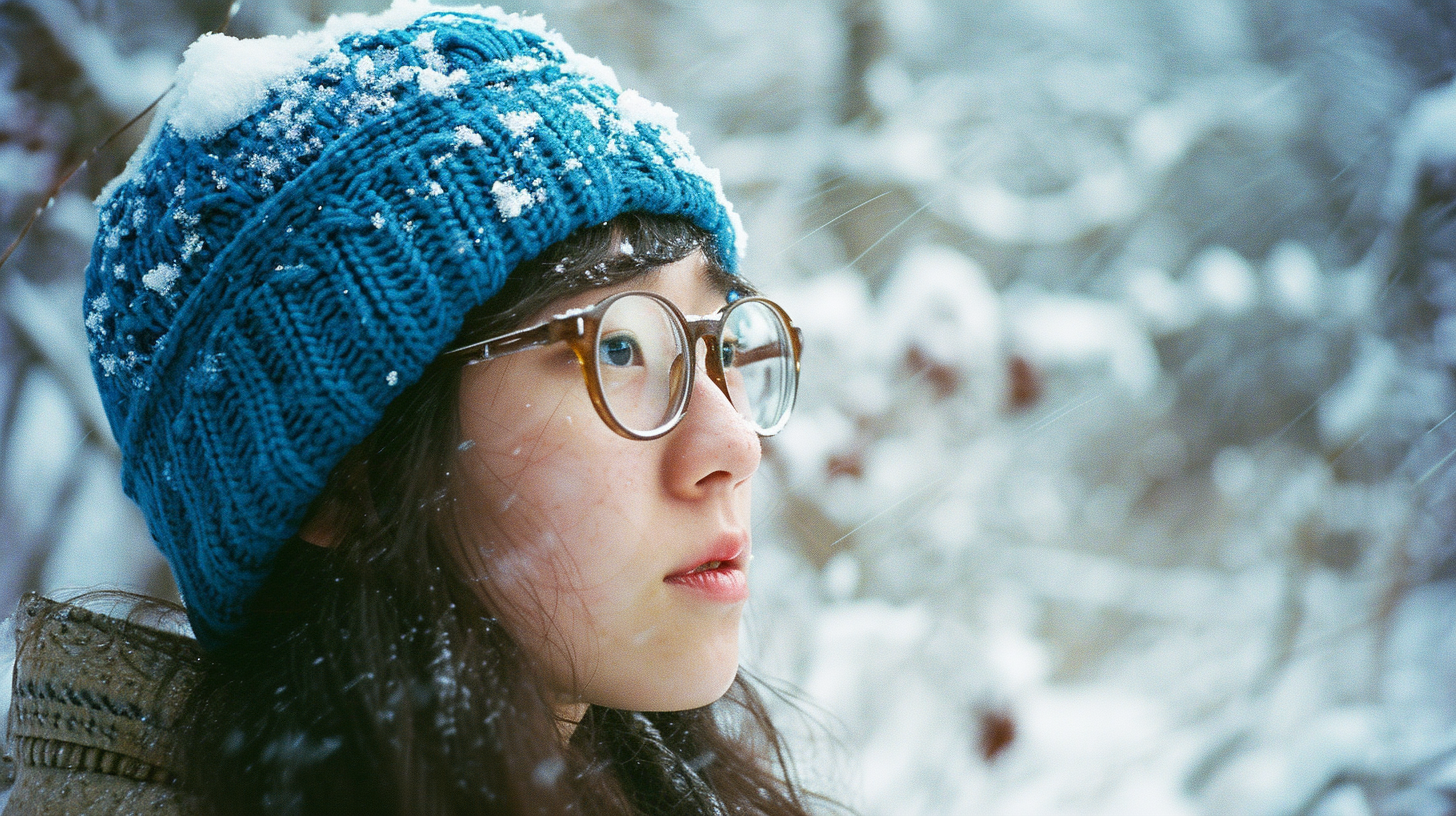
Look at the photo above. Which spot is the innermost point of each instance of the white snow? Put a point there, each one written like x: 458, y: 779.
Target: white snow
x: 592, y: 113
x: 1426, y: 138
x: 100, y: 305
x: 1056, y: 331
x: 1294, y: 277
x: 1139, y: 503
x: 465, y: 136
x: 1224, y: 280
x: 520, y: 123
x: 521, y: 63
x: 191, y: 245
x: 435, y: 83
x: 222, y: 79
x: 160, y: 278
x: 632, y: 108
x: 510, y: 200
x: 590, y: 67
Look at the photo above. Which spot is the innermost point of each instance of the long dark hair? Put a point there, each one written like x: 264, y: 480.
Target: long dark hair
x: 372, y: 678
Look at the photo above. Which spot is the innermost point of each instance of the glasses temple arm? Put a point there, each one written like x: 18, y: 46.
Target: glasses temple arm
x: 504, y: 344
x: 768, y: 351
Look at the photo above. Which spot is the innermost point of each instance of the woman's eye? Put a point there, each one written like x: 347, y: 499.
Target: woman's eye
x: 619, y: 350
x: 730, y: 351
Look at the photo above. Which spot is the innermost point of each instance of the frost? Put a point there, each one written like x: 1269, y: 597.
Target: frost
x: 626, y: 247
x: 377, y: 220
x: 392, y: 378
x: 466, y: 445
x: 425, y: 41
x: 572, y: 163
x: 510, y: 200
x: 521, y: 123
x: 435, y: 189
x: 160, y: 278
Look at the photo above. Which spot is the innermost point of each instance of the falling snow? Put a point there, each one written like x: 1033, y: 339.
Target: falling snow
x: 1116, y: 484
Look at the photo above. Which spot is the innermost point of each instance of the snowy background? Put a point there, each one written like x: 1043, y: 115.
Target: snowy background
x: 1121, y: 481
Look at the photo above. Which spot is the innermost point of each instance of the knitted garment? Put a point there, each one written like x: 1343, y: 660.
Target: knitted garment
x: 302, y: 232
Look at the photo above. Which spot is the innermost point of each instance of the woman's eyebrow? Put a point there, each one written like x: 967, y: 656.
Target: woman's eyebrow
x: 724, y: 283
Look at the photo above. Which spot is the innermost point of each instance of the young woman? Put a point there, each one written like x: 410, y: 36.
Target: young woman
x: 432, y: 374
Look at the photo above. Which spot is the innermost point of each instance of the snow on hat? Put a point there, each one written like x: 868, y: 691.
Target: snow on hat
x: 304, y: 228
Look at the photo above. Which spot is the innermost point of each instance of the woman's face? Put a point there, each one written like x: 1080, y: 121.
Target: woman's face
x: 600, y: 550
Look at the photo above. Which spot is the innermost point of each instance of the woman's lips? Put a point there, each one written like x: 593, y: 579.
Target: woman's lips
x: 721, y: 573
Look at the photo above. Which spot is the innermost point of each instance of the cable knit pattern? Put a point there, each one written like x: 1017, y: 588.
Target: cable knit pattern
x: 258, y: 295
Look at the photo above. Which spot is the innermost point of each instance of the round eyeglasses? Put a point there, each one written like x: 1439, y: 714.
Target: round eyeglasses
x: 638, y: 353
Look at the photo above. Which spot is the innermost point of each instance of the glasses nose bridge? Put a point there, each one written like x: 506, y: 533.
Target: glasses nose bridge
x: 710, y: 331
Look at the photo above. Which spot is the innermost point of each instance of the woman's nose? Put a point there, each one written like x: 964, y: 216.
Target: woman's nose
x: 713, y: 448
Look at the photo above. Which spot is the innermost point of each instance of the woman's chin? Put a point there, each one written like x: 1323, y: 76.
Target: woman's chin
x: 705, y: 691
x: 679, y: 688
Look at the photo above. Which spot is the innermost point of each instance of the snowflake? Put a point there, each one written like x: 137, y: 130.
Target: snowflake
x: 435, y: 83
x: 509, y: 199
x: 464, y: 135
x: 521, y: 123
x: 160, y: 278
x: 521, y: 63
x: 95, y: 318
x: 191, y: 245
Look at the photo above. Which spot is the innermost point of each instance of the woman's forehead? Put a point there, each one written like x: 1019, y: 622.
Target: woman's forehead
x: 690, y: 283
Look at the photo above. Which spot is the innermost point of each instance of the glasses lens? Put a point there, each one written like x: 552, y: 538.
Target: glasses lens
x: 642, y: 363
x: 758, y: 362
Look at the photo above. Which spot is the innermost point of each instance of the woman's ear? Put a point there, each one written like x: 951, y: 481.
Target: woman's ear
x: 321, y: 528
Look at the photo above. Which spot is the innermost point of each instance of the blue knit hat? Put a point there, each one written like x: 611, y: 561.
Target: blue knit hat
x: 302, y: 232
